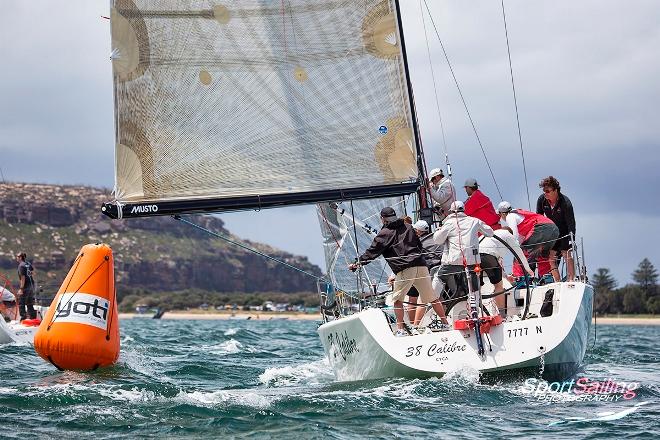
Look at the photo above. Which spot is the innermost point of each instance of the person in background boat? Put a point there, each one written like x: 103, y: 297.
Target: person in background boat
x: 558, y: 208
x: 494, y: 253
x: 442, y: 192
x: 535, y: 232
x: 25, y: 288
x: 7, y: 304
x: 478, y: 205
x: 401, y: 248
x: 459, y: 235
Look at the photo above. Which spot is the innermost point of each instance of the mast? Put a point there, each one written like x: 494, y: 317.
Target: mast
x: 425, y: 212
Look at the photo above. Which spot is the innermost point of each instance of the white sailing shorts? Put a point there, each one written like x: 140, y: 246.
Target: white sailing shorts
x: 417, y: 276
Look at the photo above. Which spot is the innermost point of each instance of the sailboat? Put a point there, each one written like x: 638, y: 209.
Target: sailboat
x: 247, y: 105
x: 12, y: 329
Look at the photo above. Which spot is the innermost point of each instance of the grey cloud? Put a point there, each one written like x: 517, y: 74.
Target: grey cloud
x: 587, y: 80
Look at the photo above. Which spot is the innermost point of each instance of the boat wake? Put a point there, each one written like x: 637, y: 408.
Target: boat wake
x: 310, y: 373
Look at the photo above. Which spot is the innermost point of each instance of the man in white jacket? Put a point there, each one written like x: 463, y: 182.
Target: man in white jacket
x: 493, y: 254
x: 459, y: 235
x: 442, y: 192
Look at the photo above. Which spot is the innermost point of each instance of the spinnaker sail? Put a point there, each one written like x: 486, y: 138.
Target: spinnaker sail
x: 247, y: 104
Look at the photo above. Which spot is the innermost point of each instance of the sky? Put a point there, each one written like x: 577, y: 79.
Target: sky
x: 587, y: 78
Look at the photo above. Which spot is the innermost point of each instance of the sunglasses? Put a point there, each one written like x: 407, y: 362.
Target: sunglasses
x: 547, y: 191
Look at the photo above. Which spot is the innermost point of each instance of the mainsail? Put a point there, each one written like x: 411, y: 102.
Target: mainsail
x: 247, y: 104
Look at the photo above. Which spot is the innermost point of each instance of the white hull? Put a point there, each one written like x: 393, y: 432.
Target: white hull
x: 363, y: 346
x: 14, y: 331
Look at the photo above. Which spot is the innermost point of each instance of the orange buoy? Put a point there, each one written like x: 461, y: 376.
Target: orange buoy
x: 81, y: 329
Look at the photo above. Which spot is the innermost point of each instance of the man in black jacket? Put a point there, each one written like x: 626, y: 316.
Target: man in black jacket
x: 401, y: 248
x: 25, y: 287
x: 558, y: 208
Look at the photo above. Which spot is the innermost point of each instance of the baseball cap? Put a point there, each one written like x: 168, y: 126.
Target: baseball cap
x: 456, y: 206
x: 421, y: 225
x: 435, y: 172
x: 504, y: 207
x: 387, y: 212
x: 471, y: 182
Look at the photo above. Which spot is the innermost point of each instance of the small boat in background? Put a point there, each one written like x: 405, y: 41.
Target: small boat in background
x: 16, y: 331
x: 12, y: 329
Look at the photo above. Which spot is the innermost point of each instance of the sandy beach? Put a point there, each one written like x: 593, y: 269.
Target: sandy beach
x: 264, y: 316
x: 628, y: 321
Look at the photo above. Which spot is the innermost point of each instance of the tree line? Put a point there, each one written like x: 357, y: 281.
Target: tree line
x: 642, y: 296
x: 129, y: 298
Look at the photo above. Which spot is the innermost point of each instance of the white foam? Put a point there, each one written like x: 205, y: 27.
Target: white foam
x: 402, y: 391
x: 463, y: 374
x: 310, y: 373
x: 4, y: 390
x: 231, y: 331
x: 132, y: 395
x: 63, y: 389
x: 226, y: 397
x: 227, y: 347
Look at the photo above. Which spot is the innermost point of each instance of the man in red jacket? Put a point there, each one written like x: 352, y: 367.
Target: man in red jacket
x: 478, y: 205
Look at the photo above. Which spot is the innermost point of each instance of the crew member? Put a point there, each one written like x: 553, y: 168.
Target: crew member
x: 535, y: 232
x: 558, y: 208
x: 442, y: 192
x: 493, y: 255
x: 459, y: 235
x: 401, y: 248
x: 7, y: 304
x: 478, y: 205
x: 433, y: 257
x: 25, y: 287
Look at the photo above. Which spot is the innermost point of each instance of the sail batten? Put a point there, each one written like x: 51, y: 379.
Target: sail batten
x: 247, y: 104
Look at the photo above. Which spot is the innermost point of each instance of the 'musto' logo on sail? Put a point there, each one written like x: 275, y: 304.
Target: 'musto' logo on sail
x: 142, y: 209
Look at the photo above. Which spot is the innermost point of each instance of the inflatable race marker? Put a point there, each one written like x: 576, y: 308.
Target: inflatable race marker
x: 81, y: 328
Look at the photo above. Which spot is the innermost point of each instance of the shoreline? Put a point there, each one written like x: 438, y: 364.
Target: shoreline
x: 609, y: 320
x: 244, y: 315
x: 268, y: 316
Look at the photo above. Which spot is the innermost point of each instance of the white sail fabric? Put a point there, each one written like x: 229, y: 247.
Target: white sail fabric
x: 238, y: 98
x: 341, y: 247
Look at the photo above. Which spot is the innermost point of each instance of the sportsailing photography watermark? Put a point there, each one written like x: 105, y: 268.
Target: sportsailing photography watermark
x: 581, y: 389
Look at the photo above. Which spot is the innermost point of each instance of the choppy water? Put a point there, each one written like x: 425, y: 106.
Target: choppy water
x: 262, y: 379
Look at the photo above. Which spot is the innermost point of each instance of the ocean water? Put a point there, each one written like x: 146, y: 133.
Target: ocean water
x: 270, y: 379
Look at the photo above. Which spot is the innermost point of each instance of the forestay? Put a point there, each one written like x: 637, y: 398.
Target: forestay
x: 249, y: 104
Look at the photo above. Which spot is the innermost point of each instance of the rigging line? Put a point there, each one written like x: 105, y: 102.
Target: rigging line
x: 357, y: 250
x: 332, y: 233
x: 247, y: 248
x: 435, y: 87
x: 515, y: 102
x: 474, y: 128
